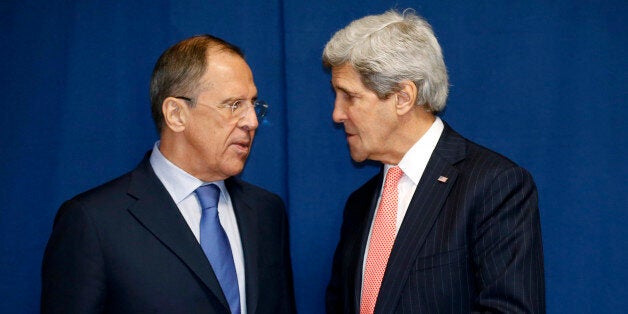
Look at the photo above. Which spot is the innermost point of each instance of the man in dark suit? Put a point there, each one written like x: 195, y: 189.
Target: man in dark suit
x: 447, y: 226
x: 180, y: 233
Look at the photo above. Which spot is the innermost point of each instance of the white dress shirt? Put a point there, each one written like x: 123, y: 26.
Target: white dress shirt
x: 413, y: 165
x: 181, y: 186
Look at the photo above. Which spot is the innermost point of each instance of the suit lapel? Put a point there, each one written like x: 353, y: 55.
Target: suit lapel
x: 426, y: 204
x: 247, y: 226
x: 157, y: 212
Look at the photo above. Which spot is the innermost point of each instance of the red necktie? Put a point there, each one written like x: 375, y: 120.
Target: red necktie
x: 381, y: 243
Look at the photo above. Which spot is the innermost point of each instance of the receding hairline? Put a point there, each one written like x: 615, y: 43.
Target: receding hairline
x: 212, y: 53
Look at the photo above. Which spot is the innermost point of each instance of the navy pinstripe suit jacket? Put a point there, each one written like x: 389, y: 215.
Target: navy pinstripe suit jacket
x: 471, y: 244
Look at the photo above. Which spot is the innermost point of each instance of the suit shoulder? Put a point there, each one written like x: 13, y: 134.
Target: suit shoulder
x: 108, y: 197
x: 253, y: 194
x: 479, y: 151
x: 488, y: 159
x: 482, y: 164
x: 106, y: 190
x: 106, y: 200
x: 472, y: 158
x: 249, y: 188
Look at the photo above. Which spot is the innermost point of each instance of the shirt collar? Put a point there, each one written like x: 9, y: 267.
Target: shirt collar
x: 415, y: 160
x: 177, y: 182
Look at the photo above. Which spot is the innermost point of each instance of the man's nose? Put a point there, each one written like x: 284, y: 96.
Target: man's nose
x: 249, y: 119
x: 338, y: 115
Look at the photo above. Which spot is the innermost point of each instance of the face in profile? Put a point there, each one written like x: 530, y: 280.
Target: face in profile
x: 218, y: 139
x: 368, y: 121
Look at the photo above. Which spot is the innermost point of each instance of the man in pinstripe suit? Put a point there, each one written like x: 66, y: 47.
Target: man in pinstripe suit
x: 465, y: 221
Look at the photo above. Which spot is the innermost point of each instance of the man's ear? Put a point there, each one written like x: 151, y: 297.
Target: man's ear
x: 175, y: 113
x: 406, y: 97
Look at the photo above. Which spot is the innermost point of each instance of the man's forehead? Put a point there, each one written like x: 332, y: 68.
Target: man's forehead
x: 345, y: 77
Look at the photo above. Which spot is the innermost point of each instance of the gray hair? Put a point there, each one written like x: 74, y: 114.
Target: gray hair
x: 388, y: 48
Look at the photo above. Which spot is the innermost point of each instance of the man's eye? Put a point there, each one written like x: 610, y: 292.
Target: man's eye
x: 236, y: 105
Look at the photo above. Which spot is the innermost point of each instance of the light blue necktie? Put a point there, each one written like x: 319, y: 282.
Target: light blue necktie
x: 216, y: 245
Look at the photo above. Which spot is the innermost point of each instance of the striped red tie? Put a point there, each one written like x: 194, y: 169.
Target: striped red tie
x: 381, y: 243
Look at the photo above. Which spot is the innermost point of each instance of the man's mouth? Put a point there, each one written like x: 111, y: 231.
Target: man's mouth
x: 242, y: 145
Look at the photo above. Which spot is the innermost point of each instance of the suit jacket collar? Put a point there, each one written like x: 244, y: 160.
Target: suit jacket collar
x: 452, y: 147
x: 423, y: 209
x: 157, y: 212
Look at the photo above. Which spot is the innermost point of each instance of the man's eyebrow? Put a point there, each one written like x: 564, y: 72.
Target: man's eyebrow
x: 343, y: 89
x: 231, y: 100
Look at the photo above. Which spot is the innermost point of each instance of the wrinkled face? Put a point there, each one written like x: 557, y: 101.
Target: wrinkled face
x: 367, y: 120
x: 219, y: 142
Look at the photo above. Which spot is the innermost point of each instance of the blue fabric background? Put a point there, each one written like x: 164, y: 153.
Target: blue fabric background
x: 542, y: 82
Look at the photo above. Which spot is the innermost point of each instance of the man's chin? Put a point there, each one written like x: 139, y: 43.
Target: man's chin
x: 234, y: 169
x: 357, y: 157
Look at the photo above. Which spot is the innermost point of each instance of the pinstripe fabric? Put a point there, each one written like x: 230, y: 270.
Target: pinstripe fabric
x: 471, y: 244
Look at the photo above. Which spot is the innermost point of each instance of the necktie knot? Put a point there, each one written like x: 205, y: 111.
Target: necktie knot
x: 208, y: 196
x: 393, y: 176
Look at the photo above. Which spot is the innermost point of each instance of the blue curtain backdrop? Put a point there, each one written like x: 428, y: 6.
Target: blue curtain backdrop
x: 542, y: 82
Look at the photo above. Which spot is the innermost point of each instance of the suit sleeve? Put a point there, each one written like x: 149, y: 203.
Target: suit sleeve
x: 73, y: 279
x: 507, y: 249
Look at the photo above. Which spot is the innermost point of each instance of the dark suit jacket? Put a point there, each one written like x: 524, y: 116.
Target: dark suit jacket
x: 124, y: 247
x: 470, y: 244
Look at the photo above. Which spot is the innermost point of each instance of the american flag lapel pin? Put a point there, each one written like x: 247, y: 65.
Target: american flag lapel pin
x: 443, y: 179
